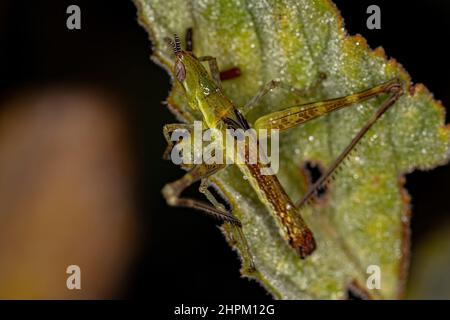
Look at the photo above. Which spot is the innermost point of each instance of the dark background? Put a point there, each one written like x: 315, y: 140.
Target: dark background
x: 183, y: 254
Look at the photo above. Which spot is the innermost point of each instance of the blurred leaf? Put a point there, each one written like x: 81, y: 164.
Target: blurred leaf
x: 365, y: 220
x: 65, y: 195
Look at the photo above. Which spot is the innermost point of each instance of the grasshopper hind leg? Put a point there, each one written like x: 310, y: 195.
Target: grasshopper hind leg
x: 394, y: 91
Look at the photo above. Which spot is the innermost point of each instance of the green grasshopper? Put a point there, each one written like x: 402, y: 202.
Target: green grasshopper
x: 204, y: 93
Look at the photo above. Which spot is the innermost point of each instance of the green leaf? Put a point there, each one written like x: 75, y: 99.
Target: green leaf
x: 365, y: 218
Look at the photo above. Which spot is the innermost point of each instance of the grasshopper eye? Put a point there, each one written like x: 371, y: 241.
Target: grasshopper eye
x: 180, y: 71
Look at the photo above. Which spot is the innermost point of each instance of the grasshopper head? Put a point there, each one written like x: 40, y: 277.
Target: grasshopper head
x: 190, y: 73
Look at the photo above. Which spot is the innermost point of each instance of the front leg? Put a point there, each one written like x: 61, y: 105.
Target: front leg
x: 213, y: 68
x: 172, y: 192
x: 219, y: 76
x: 168, y: 129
